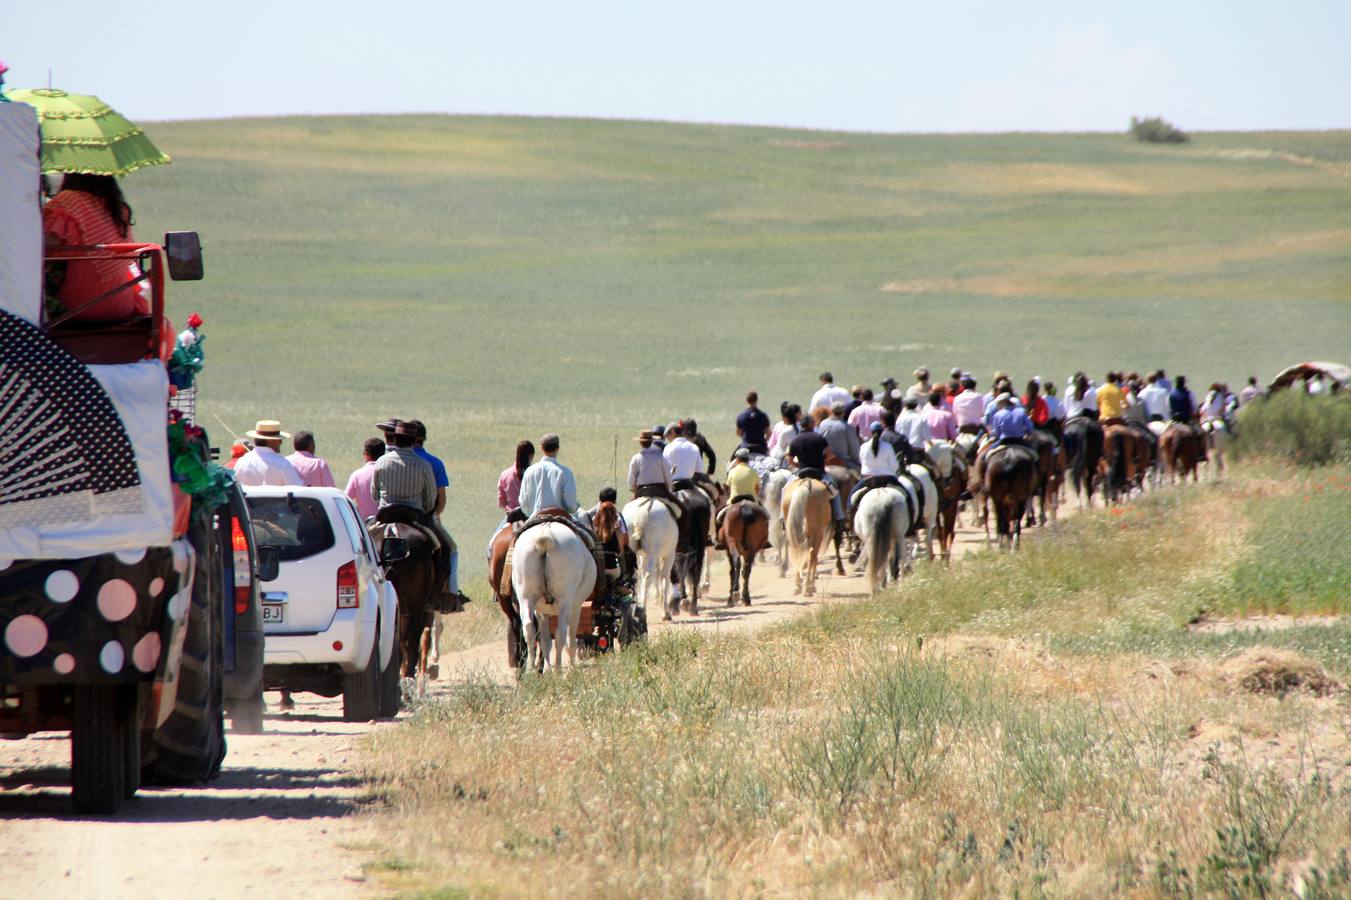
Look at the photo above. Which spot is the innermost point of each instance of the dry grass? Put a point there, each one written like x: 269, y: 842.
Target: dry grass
x: 842, y: 754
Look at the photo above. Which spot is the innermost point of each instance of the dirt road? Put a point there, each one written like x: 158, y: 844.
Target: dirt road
x: 279, y: 821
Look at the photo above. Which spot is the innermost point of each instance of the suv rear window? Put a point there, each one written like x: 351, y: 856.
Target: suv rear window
x: 297, y: 526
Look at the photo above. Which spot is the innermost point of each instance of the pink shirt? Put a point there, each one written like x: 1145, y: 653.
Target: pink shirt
x: 314, y: 472
x: 508, y: 489
x: 968, y: 407
x: 942, y: 424
x: 863, y: 417
x: 359, y: 489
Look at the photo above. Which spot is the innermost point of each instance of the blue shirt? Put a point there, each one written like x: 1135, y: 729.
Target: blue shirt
x: 438, y: 467
x: 1011, y: 423
x: 1180, y: 405
x: 754, y: 426
x: 548, y: 483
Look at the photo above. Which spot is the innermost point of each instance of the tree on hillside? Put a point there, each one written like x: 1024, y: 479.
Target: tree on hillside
x: 1157, y: 130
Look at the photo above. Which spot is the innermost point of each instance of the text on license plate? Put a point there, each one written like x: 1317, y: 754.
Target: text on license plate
x: 273, y: 613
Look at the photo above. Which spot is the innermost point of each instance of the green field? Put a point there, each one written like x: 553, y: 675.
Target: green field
x: 501, y: 277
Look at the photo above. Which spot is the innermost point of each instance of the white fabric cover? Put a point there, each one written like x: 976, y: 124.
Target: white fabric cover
x: 20, y: 212
x: 140, y: 393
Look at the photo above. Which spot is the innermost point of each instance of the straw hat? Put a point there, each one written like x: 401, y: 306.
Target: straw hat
x: 267, y: 430
x: 644, y: 436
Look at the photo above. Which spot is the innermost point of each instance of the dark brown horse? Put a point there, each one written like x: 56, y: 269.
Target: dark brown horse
x: 695, y: 525
x: 1010, y: 482
x: 745, y: 531
x: 1180, y: 448
x: 500, y: 581
x: 1043, y: 443
x: 415, y: 581
x: 1125, y: 459
x: 1083, y: 450
x: 947, y: 457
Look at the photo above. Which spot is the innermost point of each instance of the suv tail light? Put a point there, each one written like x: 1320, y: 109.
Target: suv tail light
x: 243, y: 567
x: 347, y: 586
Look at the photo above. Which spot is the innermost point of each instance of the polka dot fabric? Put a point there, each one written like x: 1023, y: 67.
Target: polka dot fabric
x: 98, y: 619
x: 75, y: 445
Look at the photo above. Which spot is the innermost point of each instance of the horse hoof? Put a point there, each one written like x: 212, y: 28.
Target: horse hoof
x: 434, y: 671
x: 746, y: 601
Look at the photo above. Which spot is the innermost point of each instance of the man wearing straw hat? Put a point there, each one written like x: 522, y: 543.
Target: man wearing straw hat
x: 649, y: 475
x: 263, y: 464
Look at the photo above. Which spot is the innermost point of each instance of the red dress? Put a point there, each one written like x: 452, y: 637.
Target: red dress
x: 1040, y: 413
x: 74, y: 218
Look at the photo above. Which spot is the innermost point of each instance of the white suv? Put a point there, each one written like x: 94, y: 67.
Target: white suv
x: 330, y: 616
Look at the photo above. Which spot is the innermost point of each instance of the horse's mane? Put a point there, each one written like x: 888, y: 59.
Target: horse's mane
x: 606, y: 520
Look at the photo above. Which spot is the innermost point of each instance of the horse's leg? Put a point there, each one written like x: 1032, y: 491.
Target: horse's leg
x: 424, y: 654
x: 734, y: 569
x: 529, y: 631
x: 746, y: 565
x: 837, y: 534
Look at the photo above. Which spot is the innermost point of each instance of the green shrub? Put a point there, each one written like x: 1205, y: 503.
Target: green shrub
x: 1310, y: 431
x: 1157, y: 130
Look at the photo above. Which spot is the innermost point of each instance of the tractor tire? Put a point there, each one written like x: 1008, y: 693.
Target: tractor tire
x: 246, y: 716
x: 391, y: 691
x: 105, y: 744
x: 190, y: 746
x: 361, y: 690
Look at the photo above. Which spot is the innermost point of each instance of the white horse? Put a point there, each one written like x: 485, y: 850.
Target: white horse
x: 653, y: 534
x: 553, y: 573
x: 881, y: 522
x: 1218, y: 438
x: 773, y: 501
x: 926, y: 506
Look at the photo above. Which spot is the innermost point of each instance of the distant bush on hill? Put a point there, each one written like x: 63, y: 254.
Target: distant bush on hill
x: 1157, y: 130
x: 1307, y: 430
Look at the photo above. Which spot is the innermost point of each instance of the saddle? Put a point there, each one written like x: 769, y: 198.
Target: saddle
x: 500, y: 568
x: 915, y: 504
x: 811, y: 472
x: 397, y: 514
x: 1009, y: 447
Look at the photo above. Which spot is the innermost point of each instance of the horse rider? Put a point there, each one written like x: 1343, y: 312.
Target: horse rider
x: 941, y: 422
x: 703, y: 476
x: 1081, y: 400
x: 862, y: 417
x: 900, y: 445
x: 1182, y: 411
x: 752, y: 426
x: 969, y: 408
x: 403, y: 484
x: 548, y: 484
x: 843, y: 439
x: 650, y: 474
x: 1009, y: 425
x: 1251, y: 392
x: 921, y: 389
x: 912, y: 424
x: 1111, y: 401
x: 891, y: 398
x: 683, y: 459
x: 880, y: 466
x: 442, y: 483
x: 808, y: 452
x: 616, y: 543
x: 1154, y: 397
x: 1219, y: 406
x: 744, y: 484
x: 828, y: 394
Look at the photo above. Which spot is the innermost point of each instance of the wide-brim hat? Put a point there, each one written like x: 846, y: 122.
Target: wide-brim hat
x: 406, y: 429
x: 267, y: 430
x: 644, y: 437
x: 388, y: 425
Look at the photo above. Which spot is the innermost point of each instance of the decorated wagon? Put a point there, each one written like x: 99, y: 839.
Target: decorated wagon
x: 123, y: 549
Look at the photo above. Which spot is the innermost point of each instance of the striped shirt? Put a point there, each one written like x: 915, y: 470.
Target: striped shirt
x: 403, y: 477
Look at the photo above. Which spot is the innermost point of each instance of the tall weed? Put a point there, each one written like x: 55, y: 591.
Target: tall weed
x: 1309, y: 431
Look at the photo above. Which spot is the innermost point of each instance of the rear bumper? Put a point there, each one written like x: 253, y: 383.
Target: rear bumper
x: 357, y: 641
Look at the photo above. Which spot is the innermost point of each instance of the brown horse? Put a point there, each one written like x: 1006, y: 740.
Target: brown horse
x: 806, y: 515
x: 1125, y: 460
x: 1180, y: 448
x: 1044, y: 444
x: 1083, y: 451
x: 415, y: 581
x: 745, y: 531
x: 950, y: 476
x: 500, y: 581
x: 1010, y: 481
x: 845, y: 481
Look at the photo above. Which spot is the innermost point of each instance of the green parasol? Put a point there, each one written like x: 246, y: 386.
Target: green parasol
x: 81, y: 133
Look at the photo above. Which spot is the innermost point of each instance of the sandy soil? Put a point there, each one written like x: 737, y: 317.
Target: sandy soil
x: 279, y: 821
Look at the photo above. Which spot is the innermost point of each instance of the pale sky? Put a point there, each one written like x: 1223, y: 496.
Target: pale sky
x: 1052, y: 65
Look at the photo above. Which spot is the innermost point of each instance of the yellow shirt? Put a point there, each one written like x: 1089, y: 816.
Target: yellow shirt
x: 1111, y: 402
x: 743, y: 480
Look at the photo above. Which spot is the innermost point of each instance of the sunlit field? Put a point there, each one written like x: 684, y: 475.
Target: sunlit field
x: 502, y: 277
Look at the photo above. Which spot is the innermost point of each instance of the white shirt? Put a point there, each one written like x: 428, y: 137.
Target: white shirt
x: 780, y: 438
x: 263, y: 465
x: 884, y: 462
x: 684, y: 458
x: 828, y: 396
x: 1155, y: 398
x: 1054, y: 408
x: 1090, y: 402
x: 911, y: 425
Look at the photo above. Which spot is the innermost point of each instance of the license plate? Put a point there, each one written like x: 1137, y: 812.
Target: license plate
x: 274, y: 613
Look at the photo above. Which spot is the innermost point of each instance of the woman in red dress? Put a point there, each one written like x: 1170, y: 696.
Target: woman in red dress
x: 89, y: 209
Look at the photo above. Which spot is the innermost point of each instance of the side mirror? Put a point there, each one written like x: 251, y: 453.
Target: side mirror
x: 269, y: 564
x: 184, y: 251
x: 392, y: 550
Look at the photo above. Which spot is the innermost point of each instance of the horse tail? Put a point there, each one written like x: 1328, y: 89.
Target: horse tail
x: 636, y: 529
x: 879, y: 540
x: 545, y: 544
x: 797, y: 515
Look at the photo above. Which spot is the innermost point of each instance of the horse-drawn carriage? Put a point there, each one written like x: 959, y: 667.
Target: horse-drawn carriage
x: 609, y: 617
